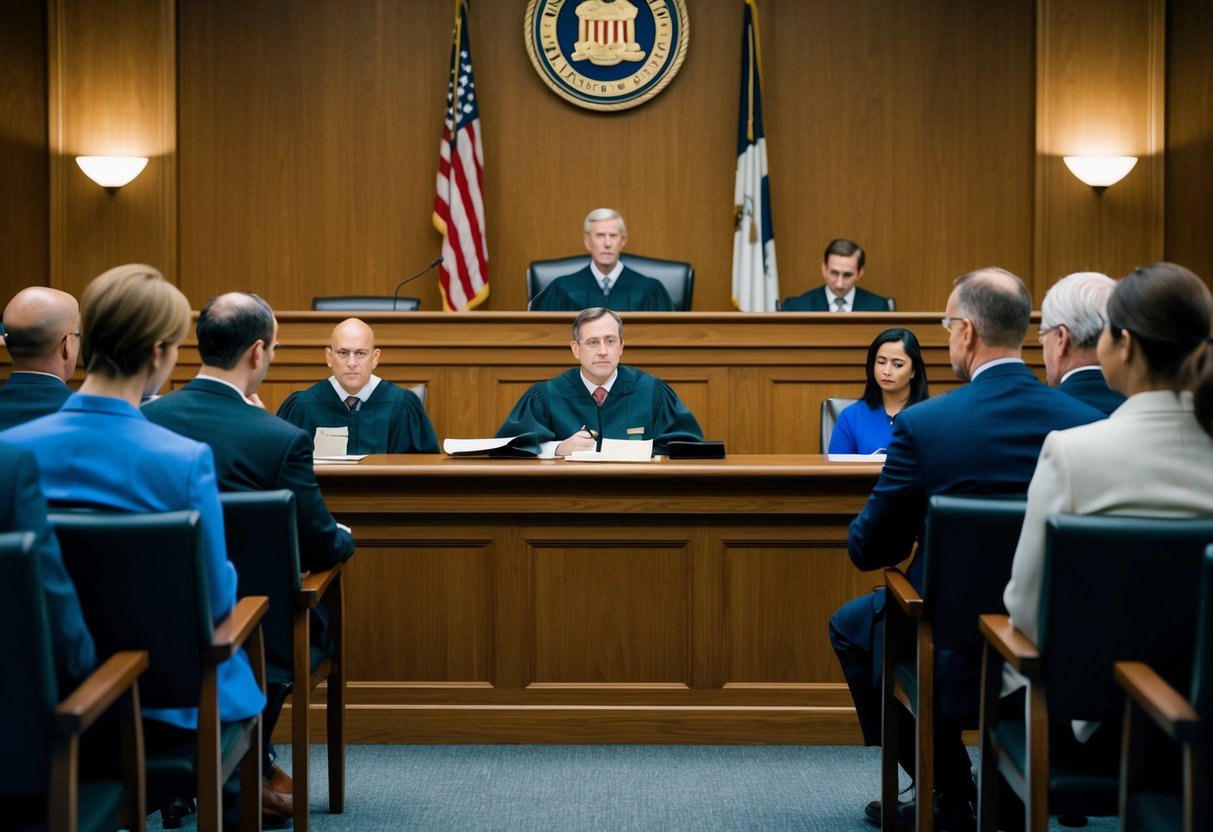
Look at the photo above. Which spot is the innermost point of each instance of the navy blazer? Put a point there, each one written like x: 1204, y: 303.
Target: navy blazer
x: 631, y: 292
x: 27, y: 396
x: 1090, y: 386
x: 256, y: 451
x: 815, y: 300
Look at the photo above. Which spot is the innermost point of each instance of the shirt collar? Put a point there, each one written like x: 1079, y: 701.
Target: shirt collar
x: 613, y: 274
x: 1095, y: 367
x: 36, y: 373
x: 226, y: 383
x: 849, y: 297
x: 362, y: 395
x: 591, y: 386
x: 994, y: 363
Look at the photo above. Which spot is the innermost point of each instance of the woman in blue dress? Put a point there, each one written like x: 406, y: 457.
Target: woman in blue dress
x: 897, y: 378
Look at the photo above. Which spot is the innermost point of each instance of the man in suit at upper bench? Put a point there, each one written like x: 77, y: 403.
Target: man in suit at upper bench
x: 1072, y: 316
x: 605, y: 282
x: 42, y: 328
x: 841, y: 268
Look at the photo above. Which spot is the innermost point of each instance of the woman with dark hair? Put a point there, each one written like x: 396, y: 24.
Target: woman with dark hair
x: 1154, y: 455
x: 897, y: 378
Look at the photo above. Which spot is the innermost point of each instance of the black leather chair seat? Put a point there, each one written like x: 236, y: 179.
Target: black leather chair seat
x: 1096, y: 790
x: 1154, y: 810
x: 99, y: 800
x: 171, y: 769
x: 280, y: 675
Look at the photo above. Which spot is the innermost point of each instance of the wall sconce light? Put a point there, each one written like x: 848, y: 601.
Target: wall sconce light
x: 1100, y: 171
x: 111, y: 172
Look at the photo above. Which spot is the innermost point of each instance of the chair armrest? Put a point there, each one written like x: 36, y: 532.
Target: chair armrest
x: 899, y: 588
x: 1161, y: 702
x: 234, y: 630
x: 1015, y: 648
x: 316, y: 584
x: 96, y: 693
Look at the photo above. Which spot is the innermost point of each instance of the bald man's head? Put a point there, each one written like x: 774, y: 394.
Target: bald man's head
x: 42, y: 327
x: 352, y: 355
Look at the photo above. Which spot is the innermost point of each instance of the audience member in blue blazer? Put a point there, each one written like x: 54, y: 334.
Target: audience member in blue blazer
x: 42, y: 333
x: 897, y: 378
x: 99, y: 450
x: 1072, y: 316
x: 982, y: 438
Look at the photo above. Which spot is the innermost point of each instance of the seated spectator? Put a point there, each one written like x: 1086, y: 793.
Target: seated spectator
x: 841, y: 268
x: 1072, y: 317
x: 897, y: 378
x: 43, y: 338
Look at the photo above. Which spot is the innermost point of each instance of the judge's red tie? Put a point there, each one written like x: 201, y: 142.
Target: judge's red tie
x: 600, y: 394
x: 351, y: 402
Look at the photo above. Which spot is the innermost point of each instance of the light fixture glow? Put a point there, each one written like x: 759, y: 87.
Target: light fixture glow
x: 1100, y: 171
x: 111, y: 172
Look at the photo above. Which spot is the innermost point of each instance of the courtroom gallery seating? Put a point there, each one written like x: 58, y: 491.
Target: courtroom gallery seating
x: 1115, y: 588
x: 141, y: 583
x: 263, y: 543
x: 676, y: 276
x: 42, y: 784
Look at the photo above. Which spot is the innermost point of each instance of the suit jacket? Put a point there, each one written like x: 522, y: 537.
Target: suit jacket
x: 815, y: 300
x: 256, y: 451
x: 631, y: 292
x: 102, y: 452
x: 27, y: 396
x: 1149, y: 458
x: 22, y: 508
x: 1089, y: 386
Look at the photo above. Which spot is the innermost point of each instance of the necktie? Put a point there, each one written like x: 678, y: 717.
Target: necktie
x: 599, y: 394
x: 840, y: 304
x: 606, y: 286
x: 351, y: 402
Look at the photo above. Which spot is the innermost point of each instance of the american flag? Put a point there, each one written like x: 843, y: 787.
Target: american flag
x: 459, y: 201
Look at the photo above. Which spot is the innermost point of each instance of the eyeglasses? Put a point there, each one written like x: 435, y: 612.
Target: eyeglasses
x: 1044, y: 332
x: 358, y: 355
x: 594, y: 343
x: 947, y: 322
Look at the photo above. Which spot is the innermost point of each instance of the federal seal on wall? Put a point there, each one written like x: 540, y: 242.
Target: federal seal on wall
x: 607, y: 54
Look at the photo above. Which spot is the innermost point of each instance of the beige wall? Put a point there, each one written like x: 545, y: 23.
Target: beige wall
x: 295, y: 144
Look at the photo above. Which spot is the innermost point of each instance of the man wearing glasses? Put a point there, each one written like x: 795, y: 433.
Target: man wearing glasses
x: 981, y: 438
x: 42, y: 333
x: 573, y: 411
x: 379, y: 417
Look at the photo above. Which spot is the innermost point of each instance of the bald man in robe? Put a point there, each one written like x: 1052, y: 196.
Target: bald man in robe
x: 381, y: 418
x: 42, y: 333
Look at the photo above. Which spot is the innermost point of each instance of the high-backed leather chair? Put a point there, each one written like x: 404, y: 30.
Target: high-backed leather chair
x: 142, y: 586
x: 1115, y: 588
x: 967, y: 550
x: 365, y: 303
x: 676, y: 276
x: 41, y: 782
x: 831, y: 408
x: 1159, y: 795
x: 263, y: 543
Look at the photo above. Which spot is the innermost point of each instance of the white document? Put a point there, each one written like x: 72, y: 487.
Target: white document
x: 331, y: 442
x: 337, y: 460
x: 876, y: 457
x: 498, y: 446
x: 617, y: 450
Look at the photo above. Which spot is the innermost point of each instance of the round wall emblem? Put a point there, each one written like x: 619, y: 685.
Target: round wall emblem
x: 607, y: 54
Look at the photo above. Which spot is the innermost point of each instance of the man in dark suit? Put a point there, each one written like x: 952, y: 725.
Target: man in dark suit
x: 605, y: 282
x: 254, y: 450
x: 982, y: 438
x: 42, y: 327
x: 841, y: 268
x: 1072, y: 317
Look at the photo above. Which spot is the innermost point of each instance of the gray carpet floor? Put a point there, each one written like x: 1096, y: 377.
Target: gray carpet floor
x: 600, y: 787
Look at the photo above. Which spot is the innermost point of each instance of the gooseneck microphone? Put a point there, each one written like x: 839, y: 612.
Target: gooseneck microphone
x: 396, y: 291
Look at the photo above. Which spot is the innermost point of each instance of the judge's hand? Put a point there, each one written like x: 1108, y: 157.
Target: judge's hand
x: 582, y: 440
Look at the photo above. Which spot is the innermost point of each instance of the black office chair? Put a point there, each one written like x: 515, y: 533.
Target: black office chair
x: 263, y: 543
x: 1115, y: 588
x: 41, y: 782
x: 1171, y: 793
x: 831, y: 408
x: 365, y: 303
x: 892, y: 302
x: 967, y: 552
x: 142, y: 586
x: 677, y: 277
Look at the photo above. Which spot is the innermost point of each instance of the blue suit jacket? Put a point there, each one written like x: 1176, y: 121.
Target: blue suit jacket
x: 815, y: 300
x: 22, y: 508
x: 100, y: 451
x: 27, y: 396
x: 1089, y: 386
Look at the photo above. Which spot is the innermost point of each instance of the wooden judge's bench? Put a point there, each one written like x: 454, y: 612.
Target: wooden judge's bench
x: 552, y: 601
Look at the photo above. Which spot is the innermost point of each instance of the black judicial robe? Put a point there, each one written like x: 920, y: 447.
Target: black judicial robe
x: 391, y: 421
x: 631, y: 292
x: 639, y: 406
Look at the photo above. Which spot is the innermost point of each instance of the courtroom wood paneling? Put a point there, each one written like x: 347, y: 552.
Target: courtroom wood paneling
x: 24, y: 194
x: 1189, y: 158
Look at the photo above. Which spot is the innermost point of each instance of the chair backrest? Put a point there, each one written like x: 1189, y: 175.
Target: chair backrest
x: 365, y: 303
x: 1117, y: 588
x: 1202, y: 667
x: 29, y: 694
x: 892, y: 302
x: 830, y: 410
x: 676, y: 276
x: 968, y: 547
x: 420, y: 390
x: 142, y: 586
x: 263, y: 544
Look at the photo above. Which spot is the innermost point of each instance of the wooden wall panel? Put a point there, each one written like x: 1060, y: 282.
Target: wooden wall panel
x: 1189, y: 178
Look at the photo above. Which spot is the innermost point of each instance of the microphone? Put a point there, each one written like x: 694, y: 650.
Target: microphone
x: 396, y: 291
